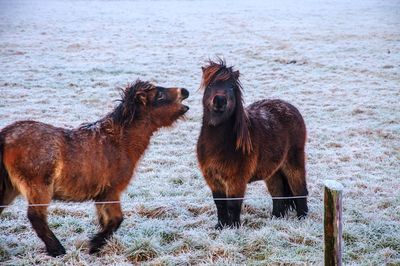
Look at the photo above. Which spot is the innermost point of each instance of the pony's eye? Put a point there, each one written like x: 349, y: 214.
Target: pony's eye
x: 160, y: 97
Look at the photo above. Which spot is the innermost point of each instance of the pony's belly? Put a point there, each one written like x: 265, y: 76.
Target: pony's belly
x: 65, y: 196
x: 78, y: 189
x: 255, y: 178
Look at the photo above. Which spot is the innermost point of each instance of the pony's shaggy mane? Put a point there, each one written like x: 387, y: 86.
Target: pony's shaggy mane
x: 126, y: 111
x: 218, y: 71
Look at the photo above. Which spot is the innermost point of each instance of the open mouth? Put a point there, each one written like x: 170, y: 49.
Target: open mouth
x: 218, y: 112
x: 185, y: 108
x: 184, y: 96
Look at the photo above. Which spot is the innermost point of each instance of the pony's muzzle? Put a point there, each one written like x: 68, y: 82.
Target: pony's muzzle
x: 219, y: 103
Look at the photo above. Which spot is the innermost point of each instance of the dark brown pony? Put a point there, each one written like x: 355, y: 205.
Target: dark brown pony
x: 238, y: 145
x: 93, y: 162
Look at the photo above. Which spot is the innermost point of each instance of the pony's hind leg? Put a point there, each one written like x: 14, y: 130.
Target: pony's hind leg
x: 37, y: 215
x: 110, y: 218
x: 278, y: 187
x: 7, y: 191
x: 294, y: 169
x: 7, y: 198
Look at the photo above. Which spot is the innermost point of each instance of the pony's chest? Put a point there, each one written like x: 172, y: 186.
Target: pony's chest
x: 219, y: 152
x: 217, y: 158
x: 221, y: 166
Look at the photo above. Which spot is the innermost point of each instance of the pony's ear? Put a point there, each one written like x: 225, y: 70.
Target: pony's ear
x: 203, y: 69
x: 141, y: 97
x: 236, y: 74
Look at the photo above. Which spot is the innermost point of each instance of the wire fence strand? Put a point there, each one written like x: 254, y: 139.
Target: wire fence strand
x: 136, y: 202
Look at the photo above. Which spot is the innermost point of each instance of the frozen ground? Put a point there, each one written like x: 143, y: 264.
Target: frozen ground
x: 338, y: 62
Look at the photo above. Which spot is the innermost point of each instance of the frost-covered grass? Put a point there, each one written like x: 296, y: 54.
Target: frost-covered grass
x: 338, y: 62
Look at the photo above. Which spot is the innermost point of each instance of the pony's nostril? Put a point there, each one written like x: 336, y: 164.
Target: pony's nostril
x: 219, y: 101
x: 184, y: 93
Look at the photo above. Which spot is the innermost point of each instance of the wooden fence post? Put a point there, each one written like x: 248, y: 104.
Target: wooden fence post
x: 333, y: 222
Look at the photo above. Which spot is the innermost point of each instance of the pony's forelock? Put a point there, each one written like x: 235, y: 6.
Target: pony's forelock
x: 215, y: 71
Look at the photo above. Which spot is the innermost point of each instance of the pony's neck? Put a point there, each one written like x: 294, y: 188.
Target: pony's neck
x: 137, y: 137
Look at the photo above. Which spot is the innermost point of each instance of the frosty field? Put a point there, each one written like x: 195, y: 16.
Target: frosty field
x: 338, y: 62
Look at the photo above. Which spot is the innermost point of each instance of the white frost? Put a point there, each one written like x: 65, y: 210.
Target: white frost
x: 337, y: 61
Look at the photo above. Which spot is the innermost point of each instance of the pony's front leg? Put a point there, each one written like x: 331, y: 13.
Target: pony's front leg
x: 110, y: 218
x: 218, y: 192
x: 222, y: 209
x: 37, y: 215
x: 237, y: 189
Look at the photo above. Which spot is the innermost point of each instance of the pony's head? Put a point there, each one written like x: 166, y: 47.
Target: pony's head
x: 143, y: 100
x: 222, y: 100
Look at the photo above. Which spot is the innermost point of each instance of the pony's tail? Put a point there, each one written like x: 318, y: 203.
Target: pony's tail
x: 6, y: 188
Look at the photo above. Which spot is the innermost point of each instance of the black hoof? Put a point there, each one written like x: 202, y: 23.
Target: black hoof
x: 278, y: 214
x: 301, y: 208
x: 94, y: 250
x: 235, y: 225
x: 301, y: 216
x: 221, y: 225
x: 280, y: 207
x: 55, y: 252
x: 96, y: 243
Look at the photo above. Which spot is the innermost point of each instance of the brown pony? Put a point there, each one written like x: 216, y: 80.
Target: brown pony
x: 238, y: 145
x: 93, y: 162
